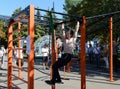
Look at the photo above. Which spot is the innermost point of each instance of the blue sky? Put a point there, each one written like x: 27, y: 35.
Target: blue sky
x: 8, y: 6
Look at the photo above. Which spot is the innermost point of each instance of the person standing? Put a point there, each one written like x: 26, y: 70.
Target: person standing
x: 69, y: 41
x: 90, y: 53
x: 106, y: 56
x: 115, y: 55
x: 1, y: 58
x: 97, y: 55
x: 45, y: 53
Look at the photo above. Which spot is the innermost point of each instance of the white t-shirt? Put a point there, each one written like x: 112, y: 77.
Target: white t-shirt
x: 17, y: 53
x: 45, y: 51
x: 1, y: 53
x: 69, y: 45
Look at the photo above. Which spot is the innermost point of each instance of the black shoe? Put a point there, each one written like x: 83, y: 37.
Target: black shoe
x: 59, y: 81
x: 50, y: 82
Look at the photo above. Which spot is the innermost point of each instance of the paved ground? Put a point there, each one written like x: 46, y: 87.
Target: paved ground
x: 95, y: 78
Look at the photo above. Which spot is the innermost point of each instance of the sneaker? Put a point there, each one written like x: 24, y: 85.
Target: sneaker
x: 50, y: 82
x: 59, y: 81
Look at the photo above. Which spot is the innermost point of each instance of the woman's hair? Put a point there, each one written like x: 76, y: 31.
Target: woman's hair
x: 71, y: 33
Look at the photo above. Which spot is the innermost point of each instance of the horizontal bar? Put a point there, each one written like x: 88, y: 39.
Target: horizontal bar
x: 49, y: 17
x: 20, y: 29
x: 102, y: 15
x: 19, y: 48
x: 69, y: 21
x: 94, y: 22
x: 20, y: 68
x: 19, y: 39
x: 21, y: 12
x: 16, y: 85
x: 56, y: 12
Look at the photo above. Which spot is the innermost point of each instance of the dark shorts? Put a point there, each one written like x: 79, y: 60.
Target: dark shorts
x: 66, y: 58
x: 45, y: 59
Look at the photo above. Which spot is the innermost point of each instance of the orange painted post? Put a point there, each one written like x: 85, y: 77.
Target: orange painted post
x: 10, y: 56
x: 53, y: 53
x: 31, y: 54
x: 82, y: 53
x: 19, y: 55
x: 111, y: 49
x: 56, y: 45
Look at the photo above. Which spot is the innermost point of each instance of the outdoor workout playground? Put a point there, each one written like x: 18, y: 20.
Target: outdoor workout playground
x: 80, y: 75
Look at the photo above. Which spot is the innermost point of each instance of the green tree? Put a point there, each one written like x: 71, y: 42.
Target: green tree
x: 16, y: 11
x: 70, y: 3
x: 3, y: 33
x: 39, y: 30
x: 98, y: 27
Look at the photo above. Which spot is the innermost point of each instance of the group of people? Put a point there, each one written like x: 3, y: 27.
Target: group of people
x: 103, y: 51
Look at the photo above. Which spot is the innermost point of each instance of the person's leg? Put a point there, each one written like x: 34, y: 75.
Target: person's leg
x: 116, y: 63
x: 89, y: 57
x: 55, y: 74
x: 46, y: 62
x: 43, y: 60
x: 106, y: 62
x: 97, y: 60
x: 2, y: 62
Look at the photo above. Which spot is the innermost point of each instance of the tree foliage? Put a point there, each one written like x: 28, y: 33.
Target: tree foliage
x: 98, y: 27
x: 3, y: 34
x: 39, y: 30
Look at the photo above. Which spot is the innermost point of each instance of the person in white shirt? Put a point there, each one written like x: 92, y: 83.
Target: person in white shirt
x: 18, y: 55
x: 69, y: 41
x: 45, y: 53
x: 1, y: 58
x: 97, y: 55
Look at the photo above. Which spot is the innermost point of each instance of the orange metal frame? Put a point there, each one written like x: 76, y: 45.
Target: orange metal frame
x: 83, y: 53
x: 111, y: 48
x: 30, y: 71
x: 31, y: 56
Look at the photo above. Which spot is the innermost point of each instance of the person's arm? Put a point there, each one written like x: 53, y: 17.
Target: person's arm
x: 63, y: 31
x: 76, y: 30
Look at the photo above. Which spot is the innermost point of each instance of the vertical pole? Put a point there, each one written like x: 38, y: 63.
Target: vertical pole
x: 31, y: 55
x: 56, y: 47
x: 53, y: 53
x: 19, y: 54
x: 10, y: 56
x: 82, y: 53
x: 53, y: 44
x: 111, y: 49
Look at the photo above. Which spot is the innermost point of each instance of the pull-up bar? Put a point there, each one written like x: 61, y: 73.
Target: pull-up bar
x: 71, y: 20
x: 49, y: 17
x: 26, y: 10
x: 103, y: 15
x: 57, y: 12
